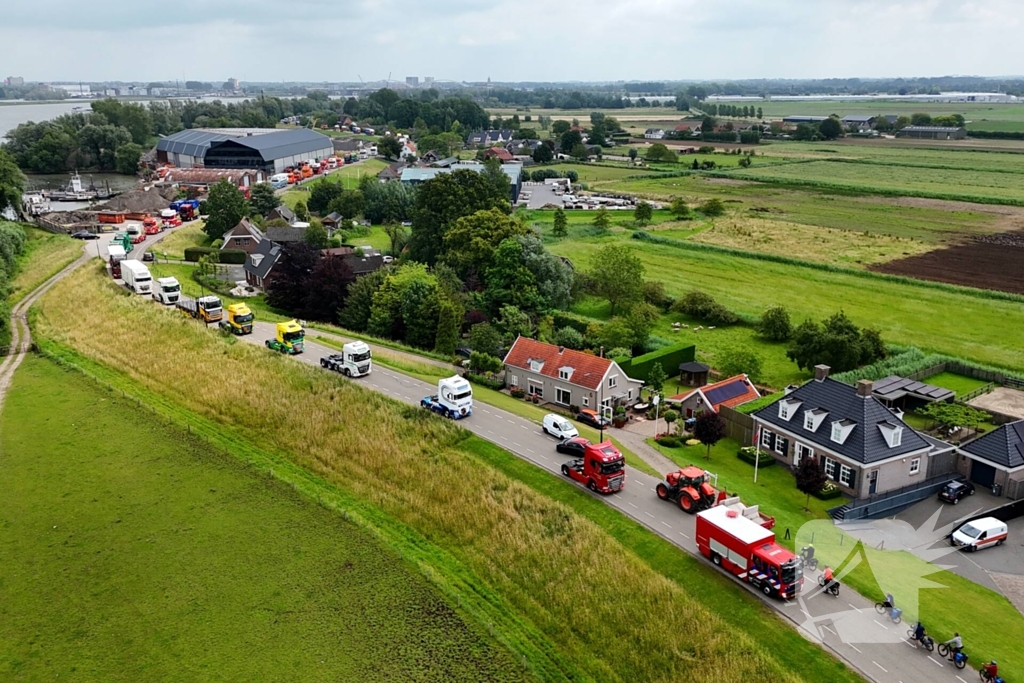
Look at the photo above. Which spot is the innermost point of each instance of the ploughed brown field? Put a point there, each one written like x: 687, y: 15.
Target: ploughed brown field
x: 986, y: 262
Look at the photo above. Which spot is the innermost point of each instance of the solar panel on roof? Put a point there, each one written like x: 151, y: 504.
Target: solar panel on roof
x: 727, y: 392
x: 915, y: 387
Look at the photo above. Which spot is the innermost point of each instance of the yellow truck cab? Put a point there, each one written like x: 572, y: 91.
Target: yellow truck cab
x: 290, y: 338
x: 239, y: 319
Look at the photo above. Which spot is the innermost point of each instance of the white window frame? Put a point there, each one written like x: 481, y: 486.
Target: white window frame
x: 629, y: 395
x: 800, y: 452
x: 558, y: 393
x: 837, y: 432
x: 613, y: 381
x: 513, y: 380
x: 783, y: 411
x: 535, y: 388
x: 846, y: 475
x: 830, y: 468
x: 809, y: 421
x: 564, y: 374
x: 586, y: 401
x: 779, y: 441
x: 915, y: 466
x: 766, y: 439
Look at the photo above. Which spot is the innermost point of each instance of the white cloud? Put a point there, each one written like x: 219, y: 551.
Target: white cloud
x: 525, y: 40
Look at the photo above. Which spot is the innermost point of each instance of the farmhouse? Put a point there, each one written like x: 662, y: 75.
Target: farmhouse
x: 565, y: 377
x: 861, y: 445
x: 490, y: 137
x: 862, y: 122
x: 654, y: 134
x: 283, y: 213
x: 933, y: 132
x: 244, y: 237
x: 729, y: 392
x: 996, y: 460
x: 499, y: 153
x: 259, y: 266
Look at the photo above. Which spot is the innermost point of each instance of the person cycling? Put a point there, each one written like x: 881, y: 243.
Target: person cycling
x: 955, y: 644
x: 827, y: 574
x: 919, y: 634
x: 889, y: 603
x: 990, y: 671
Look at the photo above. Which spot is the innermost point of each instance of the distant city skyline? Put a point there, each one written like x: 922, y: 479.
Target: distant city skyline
x: 526, y: 40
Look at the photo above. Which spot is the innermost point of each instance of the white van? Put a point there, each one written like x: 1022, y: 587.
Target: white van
x: 559, y: 427
x: 981, y: 533
x: 136, y: 277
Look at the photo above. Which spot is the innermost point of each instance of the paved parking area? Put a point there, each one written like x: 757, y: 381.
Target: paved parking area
x: 541, y: 195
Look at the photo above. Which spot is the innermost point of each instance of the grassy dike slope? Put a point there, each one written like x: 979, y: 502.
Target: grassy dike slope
x: 132, y: 551
x: 559, y: 589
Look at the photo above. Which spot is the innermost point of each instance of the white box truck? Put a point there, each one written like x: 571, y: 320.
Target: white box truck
x: 167, y: 290
x: 136, y: 276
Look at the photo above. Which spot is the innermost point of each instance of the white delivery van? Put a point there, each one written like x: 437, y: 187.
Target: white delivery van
x: 136, y: 276
x: 559, y: 427
x: 167, y: 290
x: 981, y: 533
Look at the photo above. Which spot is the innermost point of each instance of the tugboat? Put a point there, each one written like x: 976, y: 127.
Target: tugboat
x: 75, y: 192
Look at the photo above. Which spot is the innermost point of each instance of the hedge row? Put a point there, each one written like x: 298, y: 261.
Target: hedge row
x: 904, y: 361
x: 996, y: 134
x: 577, y: 323
x: 670, y: 357
x: 495, y: 384
x: 236, y: 256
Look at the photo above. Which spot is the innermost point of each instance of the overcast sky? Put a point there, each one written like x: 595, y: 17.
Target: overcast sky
x: 506, y: 40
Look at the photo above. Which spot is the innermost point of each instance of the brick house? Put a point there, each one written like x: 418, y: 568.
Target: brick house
x: 566, y: 377
x: 729, y: 392
x: 244, y: 237
x: 996, y: 459
x: 259, y: 265
x: 865, y: 448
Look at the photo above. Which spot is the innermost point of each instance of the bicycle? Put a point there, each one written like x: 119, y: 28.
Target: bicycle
x: 927, y: 641
x: 829, y: 586
x: 959, y: 658
x: 895, y: 614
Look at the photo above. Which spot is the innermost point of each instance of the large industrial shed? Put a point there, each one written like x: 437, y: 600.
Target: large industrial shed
x: 264, y: 149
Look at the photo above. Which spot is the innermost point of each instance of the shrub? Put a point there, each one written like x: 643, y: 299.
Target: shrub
x: 236, y: 256
x: 669, y: 441
x: 517, y: 393
x: 828, y: 491
x: 569, y: 338
x: 488, y: 382
x: 706, y: 149
x: 712, y: 207
x: 749, y: 454
x: 568, y: 320
x: 702, y: 306
x: 774, y: 324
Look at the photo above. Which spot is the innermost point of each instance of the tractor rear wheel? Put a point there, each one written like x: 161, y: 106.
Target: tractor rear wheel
x: 686, y: 503
x: 662, y: 491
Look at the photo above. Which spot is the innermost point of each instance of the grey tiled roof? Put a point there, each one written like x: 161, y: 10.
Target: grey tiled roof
x: 865, y: 444
x: 1003, y: 446
x: 270, y: 252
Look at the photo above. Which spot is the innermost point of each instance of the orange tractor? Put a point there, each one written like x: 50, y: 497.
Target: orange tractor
x: 689, y: 488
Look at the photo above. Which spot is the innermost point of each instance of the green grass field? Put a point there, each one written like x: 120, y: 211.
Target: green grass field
x: 173, y: 246
x: 950, y: 322
x: 958, y: 383
x: 45, y: 255
x: 134, y: 552
x: 972, y: 185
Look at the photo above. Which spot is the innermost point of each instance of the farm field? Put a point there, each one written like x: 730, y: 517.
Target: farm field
x: 992, y: 262
x: 45, y: 254
x: 979, y: 115
x: 134, y: 552
x: 981, y: 186
x: 883, y: 152
x: 947, y: 321
x: 515, y: 557
x: 958, y: 383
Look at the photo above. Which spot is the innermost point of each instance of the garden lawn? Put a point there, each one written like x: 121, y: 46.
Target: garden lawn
x: 173, y: 246
x: 964, y: 323
x: 954, y: 382
x: 45, y: 255
x: 133, y: 551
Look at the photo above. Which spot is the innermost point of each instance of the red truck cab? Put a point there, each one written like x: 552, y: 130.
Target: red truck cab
x: 602, y: 468
x: 740, y: 545
x: 150, y: 226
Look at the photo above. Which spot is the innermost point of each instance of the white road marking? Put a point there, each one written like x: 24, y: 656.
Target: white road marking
x: 855, y: 648
x: 961, y: 679
x: 516, y: 445
x: 634, y: 506
x: 879, y: 666
x: 880, y: 624
x: 511, y: 420
x: 683, y: 535
x: 856, y: 608
x: 648, y: 514
x: 933, y: 660
x: 830, y: 630
x: 667, y: 524
x: 489, y: 431
x: 529, y: 450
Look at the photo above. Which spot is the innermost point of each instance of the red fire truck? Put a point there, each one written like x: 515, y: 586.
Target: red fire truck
x: 601, y: 469
x: 748, y: 550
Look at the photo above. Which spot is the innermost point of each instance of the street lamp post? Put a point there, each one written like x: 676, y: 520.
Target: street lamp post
x: 600, y: 407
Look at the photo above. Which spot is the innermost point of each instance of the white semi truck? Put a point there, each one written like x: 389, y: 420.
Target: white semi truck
x: 167, y: 290
x: 136, y: 276
x: 454, y: 398
x: 353, y: 361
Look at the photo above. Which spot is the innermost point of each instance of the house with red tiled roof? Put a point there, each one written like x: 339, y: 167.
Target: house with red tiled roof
x: 729, y: 392
x: 499, y: 153
x: 566, y: 377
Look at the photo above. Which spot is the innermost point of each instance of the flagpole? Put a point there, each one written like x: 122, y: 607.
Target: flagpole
x: 757, y: 452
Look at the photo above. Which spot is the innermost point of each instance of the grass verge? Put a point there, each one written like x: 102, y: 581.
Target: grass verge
x: 45, y: 255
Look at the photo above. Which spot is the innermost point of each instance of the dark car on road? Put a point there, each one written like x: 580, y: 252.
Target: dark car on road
x: 953, y: 491
x: 85, y: 235
x: 573, y: 446
x: 590, y: 417
x: 148, y: 256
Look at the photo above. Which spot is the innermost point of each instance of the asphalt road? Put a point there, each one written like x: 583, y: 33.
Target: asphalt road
x: 847, y: 626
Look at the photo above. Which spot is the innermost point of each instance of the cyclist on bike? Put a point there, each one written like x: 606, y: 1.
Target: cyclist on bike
x: 955, y: 645
x: 919, y: 634
x: 889, y: 603
x: 990, y: 671
x: 827, y: 574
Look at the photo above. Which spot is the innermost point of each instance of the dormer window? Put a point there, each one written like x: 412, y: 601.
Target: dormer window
x: 536, y: 365
x: 837, y: 432
x: 893, y: 433
x: 808, y: 421
x: 841, y: 430
x: 565, y: 373
x: 814, y: 418
x: 784, y: 411
x: 788, y: 408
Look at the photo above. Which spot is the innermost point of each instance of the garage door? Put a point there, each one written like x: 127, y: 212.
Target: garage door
x: 982, y: 474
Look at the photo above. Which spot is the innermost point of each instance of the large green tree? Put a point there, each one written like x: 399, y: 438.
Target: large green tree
x: 836, y: 342
x: 263, y: 199
x: 443, y: 200
x: 561, y: 228
x: 830, y: 128
x: 12, y: 183
x: 126, y: 158
x: 322, y: 194
x: 509, y: 281
x: 470, y: 243
x: 225, y: 207
x: 355, y: 315
x: 618, y: 276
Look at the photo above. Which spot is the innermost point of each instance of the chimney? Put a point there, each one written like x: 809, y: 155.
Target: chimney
x: 821, y: 372
x: 864, y: 388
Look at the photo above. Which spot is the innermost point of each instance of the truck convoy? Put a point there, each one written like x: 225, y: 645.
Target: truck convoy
x: 748, y: 550
x: 167, y: 290
x: 117, y: 255
x: 353, y: 361
x: 239, y: 320
x: 150, y: 226
x: 290, y: 338
x: 454, y: 398
x: 205, y: 308
x: 136, y: 277
x: 123, y: 240
x: 601, y: 469
x: 688, y: 488
x: 135, y: 234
